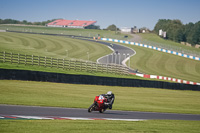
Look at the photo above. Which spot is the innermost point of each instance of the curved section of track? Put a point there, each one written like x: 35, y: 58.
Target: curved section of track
x: 120, y: 54
x: 83, y: 113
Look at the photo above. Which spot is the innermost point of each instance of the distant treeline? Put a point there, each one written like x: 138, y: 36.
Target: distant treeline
x: 13, y: 21
x: 176, y: 31
x: 43, y: 23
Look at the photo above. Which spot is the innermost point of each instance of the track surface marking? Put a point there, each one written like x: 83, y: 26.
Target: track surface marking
x: 83, y: 113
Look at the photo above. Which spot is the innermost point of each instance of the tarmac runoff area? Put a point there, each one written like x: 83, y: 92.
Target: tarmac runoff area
x: 37, y: 112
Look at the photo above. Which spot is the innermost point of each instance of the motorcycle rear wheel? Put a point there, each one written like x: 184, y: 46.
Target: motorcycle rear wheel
x: 101, y: 111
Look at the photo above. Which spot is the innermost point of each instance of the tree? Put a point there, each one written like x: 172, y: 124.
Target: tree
x: 174, y: 29
x: 187, y: 30
x: 194, y: 34
x: 112, y: 27
x: 178, y: 32
x: 24, y: 22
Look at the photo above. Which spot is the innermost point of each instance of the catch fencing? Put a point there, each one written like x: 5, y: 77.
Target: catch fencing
x: 65, y: 64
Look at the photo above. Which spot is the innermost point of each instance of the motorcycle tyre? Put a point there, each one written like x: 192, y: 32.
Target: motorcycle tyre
x: 101, y: 111
x: 92, y: 107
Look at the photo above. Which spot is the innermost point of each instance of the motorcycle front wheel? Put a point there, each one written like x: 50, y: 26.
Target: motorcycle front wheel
x: 92, y: 107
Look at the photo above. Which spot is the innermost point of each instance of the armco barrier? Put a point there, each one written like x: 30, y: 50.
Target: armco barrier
x: 152, y: 47
x: 11, y: 74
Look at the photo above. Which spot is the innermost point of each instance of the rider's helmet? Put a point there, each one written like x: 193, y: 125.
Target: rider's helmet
x: 109, y: 93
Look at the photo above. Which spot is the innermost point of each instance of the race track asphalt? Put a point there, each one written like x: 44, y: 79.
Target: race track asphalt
x: 83, y: 113
x: 120, y: 54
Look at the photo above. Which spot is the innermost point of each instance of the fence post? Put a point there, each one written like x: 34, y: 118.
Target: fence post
x: 86, y: 66
x: 57, y: 62
x: 69, y: 64
x: 11, y: 57
x: 25, y: 59
x: 32, y: 60
x: 106, y: 68
x: 45, y: 61
x: 63, y: 63
x: 18, y: 59
x: 96, y: 67
x: 4, y: 56
x: 38, y: 60
x: 51, y: 62
x: 81, y: 65
x: 116, y: 69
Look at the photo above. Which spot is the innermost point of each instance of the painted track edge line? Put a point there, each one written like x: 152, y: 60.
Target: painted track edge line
x: 19, y: 117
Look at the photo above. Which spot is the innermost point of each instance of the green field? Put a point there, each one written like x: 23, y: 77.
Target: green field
x: 51, y: 46
x: 65, y: 31
x: 163, y: 64
x: 82, y: 96
x: 155, y: 40
x: 81, y: 126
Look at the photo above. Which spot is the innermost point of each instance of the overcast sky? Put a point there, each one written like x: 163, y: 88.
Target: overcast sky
x: 123, y: 13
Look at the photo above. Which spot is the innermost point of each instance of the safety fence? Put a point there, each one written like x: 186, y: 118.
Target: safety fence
x: 65, y: 64
x: 153, y: 47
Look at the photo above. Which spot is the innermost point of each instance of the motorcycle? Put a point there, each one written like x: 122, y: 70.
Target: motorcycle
x: 99, y: 104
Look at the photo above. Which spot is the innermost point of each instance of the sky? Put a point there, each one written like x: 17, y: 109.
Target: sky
x: 122, y: 13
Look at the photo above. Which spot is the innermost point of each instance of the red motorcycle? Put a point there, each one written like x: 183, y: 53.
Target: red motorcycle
x: 98, y: 104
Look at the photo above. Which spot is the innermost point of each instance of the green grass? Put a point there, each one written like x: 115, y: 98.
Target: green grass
x: 81, y: 126
x: 51, y: 46
x: 82, y: 96
x: 158, y: 63
x: 65, y: 31
x: 163, y: 64
x: 153, y: 39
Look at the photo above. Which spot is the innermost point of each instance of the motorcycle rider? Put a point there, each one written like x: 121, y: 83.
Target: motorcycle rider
x: 110, y: 99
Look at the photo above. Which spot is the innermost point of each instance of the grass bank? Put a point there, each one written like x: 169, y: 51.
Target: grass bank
x: 51, y: 46
x: 82, y: 96
x: 65, y: 31
x: 163, y: 64
x: 155, y: 40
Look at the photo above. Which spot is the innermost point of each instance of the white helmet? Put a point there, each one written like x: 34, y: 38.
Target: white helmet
x: 109, y: 93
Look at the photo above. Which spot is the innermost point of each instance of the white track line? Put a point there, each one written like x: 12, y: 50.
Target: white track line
x: 64, y: 118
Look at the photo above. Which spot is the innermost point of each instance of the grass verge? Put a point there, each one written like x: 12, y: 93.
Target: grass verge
x: 65, y: 31
x: 51, y: 46
x: 163, y: 64
x: 154, y: 39
x: 81, y: 126
x: 82, y: 96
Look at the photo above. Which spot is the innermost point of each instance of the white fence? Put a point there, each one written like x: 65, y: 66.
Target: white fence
x: 72, y: 64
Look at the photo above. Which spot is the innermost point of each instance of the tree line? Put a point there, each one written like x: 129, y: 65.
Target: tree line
x: 43, y: 23
x: 13, y: 21
x: 177, y: 31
